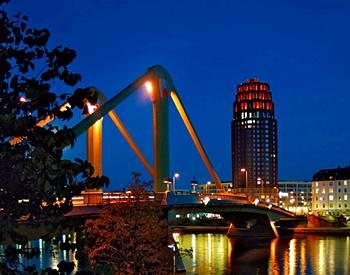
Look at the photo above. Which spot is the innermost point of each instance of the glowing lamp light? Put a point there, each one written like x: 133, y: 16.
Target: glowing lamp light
x: 206, y: 200
x: 176, y: 175
x: 22, y: 99
x: 91, y: 108
x: 167, y: 181
x: 255, y: 202
x: 149, y: 87
x: 243, y: 170
x: 65, y: 107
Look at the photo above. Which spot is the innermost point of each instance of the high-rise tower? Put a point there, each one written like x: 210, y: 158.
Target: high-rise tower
x: 254, y: 141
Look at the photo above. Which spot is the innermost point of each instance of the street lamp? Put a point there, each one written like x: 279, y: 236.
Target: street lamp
x: 243, y: 170
x: 176, y: 176
x: 167, y: 181
x: 194, y: 184
x: 260, y: 181
x: 207, y: 186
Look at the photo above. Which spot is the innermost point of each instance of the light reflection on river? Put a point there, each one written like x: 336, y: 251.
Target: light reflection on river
x: 50, y: 255
x: 216, y: 254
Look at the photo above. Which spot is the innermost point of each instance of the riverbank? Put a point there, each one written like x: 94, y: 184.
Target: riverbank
x: 315, y: 230
x: 283, y: 231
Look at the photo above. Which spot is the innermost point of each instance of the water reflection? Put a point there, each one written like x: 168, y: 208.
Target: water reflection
x: 210, y: 253
x: 216, y: 254
x: 50, y: 255
x: 249, y: 256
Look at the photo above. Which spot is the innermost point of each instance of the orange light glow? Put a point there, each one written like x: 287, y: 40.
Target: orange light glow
x: 65, y: 107
x: 243, y: 170
x: 149, y: 87
x: 91, y: 108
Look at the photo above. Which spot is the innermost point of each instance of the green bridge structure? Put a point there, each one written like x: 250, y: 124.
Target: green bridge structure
x: 233, y: 207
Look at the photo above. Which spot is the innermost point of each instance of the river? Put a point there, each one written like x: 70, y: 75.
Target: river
x: 217, y: 254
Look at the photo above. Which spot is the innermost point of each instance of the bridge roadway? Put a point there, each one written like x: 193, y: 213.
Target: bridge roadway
x: 185, y: 202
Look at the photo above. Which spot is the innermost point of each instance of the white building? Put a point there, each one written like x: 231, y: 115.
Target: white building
x: 295, y: 196
x: 331, y: 192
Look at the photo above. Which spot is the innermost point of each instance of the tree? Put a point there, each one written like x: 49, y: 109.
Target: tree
x: 36, y: 183
x: 130, y: 237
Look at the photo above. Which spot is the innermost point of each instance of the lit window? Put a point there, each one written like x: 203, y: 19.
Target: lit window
x: 345, y: 197
x: 317, y: 190
x: 345, y: 183
x: 323, y: 191
x: 331, y: 190
x: 331, y: 197
x: 316, y: 184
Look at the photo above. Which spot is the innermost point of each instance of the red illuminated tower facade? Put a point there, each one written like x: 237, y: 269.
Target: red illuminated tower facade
x: 254, y: 142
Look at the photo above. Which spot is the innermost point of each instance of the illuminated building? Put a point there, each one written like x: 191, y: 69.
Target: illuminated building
x: 330, y: 191
x: 209, y: 187
x: 295, y: 196
x: 254, y: 141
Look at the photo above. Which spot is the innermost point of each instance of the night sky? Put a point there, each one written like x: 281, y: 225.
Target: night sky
x: 301, y: 48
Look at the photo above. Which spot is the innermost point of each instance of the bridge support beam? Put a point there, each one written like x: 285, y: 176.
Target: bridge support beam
x: 160, y: 102
x: 250, y: 225
x: 94, y: 156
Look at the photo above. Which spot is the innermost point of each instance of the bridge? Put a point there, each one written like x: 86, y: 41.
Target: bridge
x: 161, y: 89
x: 244, y: 218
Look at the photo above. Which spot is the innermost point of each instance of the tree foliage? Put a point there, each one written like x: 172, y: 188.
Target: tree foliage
x: 36, y: 183
x: 130, y: 237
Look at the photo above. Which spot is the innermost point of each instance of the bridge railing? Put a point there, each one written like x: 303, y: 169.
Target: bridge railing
x: 242, y: 198
x: 99, y: 198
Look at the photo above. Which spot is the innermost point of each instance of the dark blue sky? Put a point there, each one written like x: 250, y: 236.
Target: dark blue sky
x: 301, y: 48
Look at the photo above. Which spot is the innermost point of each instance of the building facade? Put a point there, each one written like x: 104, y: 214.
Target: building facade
x: 295, y: 196
x: 254, y: 141
x: 331, y: 192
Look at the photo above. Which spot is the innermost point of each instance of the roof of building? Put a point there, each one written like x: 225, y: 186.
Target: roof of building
x: 332, y: 174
